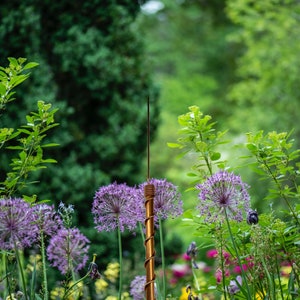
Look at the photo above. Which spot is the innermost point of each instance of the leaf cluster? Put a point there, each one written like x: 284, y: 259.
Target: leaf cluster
x: 28, y: 139
x: 277, y: 160
x: 198, y: 135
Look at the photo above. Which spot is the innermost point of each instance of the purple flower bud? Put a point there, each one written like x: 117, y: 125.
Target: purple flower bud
x: 234, y: 285
x: 252, y: 217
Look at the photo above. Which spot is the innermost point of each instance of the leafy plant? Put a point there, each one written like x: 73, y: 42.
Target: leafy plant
x: 263, y: 247
x: 28, y: 140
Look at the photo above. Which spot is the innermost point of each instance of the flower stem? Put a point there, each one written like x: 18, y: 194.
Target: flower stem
x: 21, y: 272
x: 238, y: 256
x: 120, y: 263
x: 163, y: 264
x: 196, y: 283
x: 142, y: 232
x: 45, y: 282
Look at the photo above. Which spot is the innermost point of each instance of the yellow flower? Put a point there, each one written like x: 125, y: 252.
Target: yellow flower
x: 35, y: 261
x: 258, y: 296
x: 111, y: 298
x: 286, y: 270
x: 112, y: 271
x: 100, y: 285
x: 125, y: 295
x: 57, y: 293
x: 184, y: 294
x: 12, y: 297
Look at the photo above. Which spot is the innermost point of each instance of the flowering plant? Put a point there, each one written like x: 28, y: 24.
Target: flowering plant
x: 250, y: 254
x: 260, y: 246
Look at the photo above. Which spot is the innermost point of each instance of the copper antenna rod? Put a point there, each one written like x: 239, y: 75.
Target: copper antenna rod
x: 149, y: 192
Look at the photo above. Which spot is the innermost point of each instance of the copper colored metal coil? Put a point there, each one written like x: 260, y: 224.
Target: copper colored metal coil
x: 149, y: 242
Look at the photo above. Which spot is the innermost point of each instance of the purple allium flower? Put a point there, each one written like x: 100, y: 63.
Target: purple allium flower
x: 137, y: 288
x: 116, y: 206
x: 167, y: 199
x: 47, y: 220
x: 68, y: 250
x: 222, y: 191
x: 17, y: 227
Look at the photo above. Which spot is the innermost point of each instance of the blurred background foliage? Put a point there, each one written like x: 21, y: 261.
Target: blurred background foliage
x: 100, y: 61
x: 238, y: 61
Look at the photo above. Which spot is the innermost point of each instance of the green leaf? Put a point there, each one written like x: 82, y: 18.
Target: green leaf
x: 2, y: 89
x: 49, y: 161
x: 13, y: 61
x: 174, y: 145
x: 30, y: 65
x: 191, y: 174
x: 215, y: 156
x: 49, y: 145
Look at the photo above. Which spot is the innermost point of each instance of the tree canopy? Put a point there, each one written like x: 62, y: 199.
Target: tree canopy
x: 94, y: 69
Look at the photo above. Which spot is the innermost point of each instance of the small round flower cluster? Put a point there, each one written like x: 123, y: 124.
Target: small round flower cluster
x: 221, y: 193
x: 167, y: 199
x: 137, y: 287
x: 68, y: 250
x: 23, y: 225
x: 115, y: 206
x: 120, y: 206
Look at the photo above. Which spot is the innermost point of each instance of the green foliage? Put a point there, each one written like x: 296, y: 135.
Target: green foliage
x: 12, y: 76
x: 267, y: 71
x: 28, y: 139
x: 259, y: 249
x: 197, y: 134
x: 94, y: 69
x: 276, y: 160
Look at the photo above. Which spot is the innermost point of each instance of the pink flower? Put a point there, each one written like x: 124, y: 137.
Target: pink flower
x: 186, y: 257
x: 180, y: 270
x: 237, y: 269
x: 219, y: 275
x: 212, y: 253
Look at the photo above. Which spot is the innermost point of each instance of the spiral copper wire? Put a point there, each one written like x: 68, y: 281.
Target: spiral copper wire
x: 149, y: 193
x: 149, y: 242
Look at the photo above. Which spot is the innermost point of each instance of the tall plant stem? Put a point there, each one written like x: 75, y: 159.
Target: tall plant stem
x: 142, y: 232
x: 121, y: 264
x: 222, y: 262
x: 45, y: 281
x: 197, y: 283
x: 281, y: 193
x: 163, y: 264
x: 21, y: 272
x: 238, y: 257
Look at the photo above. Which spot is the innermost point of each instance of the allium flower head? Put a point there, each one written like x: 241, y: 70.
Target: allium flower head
x: 223, y: 191
x: 167, y: 199
x: 46, y: 218
x: 137, y: 288
x: 68, y: 249
x: 17, y: 226
x: 116, y: 206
